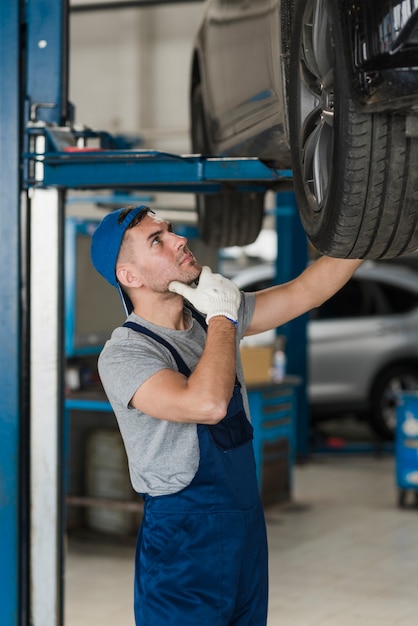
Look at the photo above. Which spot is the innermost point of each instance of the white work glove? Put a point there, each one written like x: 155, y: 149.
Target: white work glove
x: 214, y: 295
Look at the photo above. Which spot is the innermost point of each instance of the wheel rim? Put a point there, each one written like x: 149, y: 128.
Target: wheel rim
x: 316, y: 101
x: 389, y: 400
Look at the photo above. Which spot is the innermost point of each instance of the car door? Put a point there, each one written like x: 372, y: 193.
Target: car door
x: 345, y: 343
x: 250, y: 44
x: 212, y: 63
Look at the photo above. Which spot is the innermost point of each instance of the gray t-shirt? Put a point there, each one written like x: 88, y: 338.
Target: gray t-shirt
x: 163, y: 456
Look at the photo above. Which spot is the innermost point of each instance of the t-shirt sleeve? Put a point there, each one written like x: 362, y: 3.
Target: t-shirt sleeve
x: 246, y: 312
x: 127, y: 361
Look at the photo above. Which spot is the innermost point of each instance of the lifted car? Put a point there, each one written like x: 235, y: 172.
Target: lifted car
x: 328, y: 88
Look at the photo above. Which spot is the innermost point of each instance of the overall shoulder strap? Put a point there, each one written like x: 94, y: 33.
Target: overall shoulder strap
x: 183, y: 368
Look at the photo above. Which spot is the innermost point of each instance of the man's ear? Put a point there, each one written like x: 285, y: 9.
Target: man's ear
x: 128, y: 277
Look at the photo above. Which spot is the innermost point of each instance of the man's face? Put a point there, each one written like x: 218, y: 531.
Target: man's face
x: 160, y: 255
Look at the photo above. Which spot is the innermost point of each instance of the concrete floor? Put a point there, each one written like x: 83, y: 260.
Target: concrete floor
x: 341, y: 554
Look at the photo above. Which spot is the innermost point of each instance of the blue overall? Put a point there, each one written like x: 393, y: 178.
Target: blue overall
x: 201, y: 555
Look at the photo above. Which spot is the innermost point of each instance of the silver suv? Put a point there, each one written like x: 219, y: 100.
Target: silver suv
x: 363, y: 342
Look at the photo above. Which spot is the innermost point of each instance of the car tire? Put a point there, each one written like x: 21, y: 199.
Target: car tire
x: 355, y: 182
x: 383, y: 398
x: 228, y: 218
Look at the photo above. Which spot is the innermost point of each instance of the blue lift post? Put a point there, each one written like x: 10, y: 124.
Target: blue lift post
x: 46, y: 102
x: 12, y: 539
x: 292, y: 258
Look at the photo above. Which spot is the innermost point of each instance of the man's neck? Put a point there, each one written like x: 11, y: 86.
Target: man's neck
x: 169, y: 313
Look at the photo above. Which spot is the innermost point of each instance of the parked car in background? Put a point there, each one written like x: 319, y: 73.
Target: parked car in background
x: 327, y: 88
x: 362, y: 343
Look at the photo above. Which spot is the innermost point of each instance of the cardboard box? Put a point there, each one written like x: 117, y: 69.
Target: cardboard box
x: 256, y: 363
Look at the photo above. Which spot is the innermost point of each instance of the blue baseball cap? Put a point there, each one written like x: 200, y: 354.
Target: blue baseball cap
x: 105, y: 245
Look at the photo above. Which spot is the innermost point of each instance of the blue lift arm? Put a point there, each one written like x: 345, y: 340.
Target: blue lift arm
x: 65, y: 165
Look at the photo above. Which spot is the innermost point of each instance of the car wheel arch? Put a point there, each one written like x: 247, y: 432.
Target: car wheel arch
x: 195, y: 72
x: 230, y: 217
x: 391, y: 363
x: 402, y: 366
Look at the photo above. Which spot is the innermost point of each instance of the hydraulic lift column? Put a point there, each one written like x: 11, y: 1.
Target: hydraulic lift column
x: 33, y: 70
x: 46, y: 101
x: 11, y: 431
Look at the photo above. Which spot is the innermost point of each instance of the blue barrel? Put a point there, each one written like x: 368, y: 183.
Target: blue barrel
x: 406, y: 447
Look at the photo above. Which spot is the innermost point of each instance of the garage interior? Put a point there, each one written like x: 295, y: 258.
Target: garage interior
x: 342, y: 550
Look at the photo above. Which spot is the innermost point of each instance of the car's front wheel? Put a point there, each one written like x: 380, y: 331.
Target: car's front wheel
x: 384, y: 396
x: 228, y: 218
x: 354, y: 173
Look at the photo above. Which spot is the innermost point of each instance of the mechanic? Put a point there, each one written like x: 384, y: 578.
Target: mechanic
x: 173, y: 376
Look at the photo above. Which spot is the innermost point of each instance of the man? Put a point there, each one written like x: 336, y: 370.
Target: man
x: 174, y: 379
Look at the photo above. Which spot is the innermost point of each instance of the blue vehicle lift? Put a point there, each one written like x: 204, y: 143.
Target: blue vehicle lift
x: 12, y: 426
x: 41, y: 158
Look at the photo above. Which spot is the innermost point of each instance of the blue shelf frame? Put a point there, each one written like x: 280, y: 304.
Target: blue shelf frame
x: 274, y: 417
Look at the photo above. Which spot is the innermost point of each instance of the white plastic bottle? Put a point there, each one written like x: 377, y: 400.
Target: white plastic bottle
x: 279, y: 361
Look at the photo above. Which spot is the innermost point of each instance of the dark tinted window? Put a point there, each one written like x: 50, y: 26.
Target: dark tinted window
x: 356, y: 299
x: 258, y: 285
x: 365, y: 298
x: 398, y: 299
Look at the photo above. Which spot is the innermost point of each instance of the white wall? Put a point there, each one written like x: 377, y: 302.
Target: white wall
x: 129, y: 71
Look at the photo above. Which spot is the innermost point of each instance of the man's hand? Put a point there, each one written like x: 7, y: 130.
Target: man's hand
x: 214, y: 295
